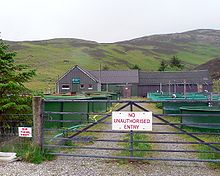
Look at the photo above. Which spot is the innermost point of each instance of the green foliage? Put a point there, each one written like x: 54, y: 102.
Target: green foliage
x: 159, y: 105
x: 28, y: 151
x: 38, y: 93
x: 173, y: 68
x: 136, y: 146
x: 135, y: 66
x: 216, y: 86
x: 69, y: 143
x: 174, y: 64
x: 215, y: 156
x: 163, y: 65
x: 105, y: 67
x: 14, y: 96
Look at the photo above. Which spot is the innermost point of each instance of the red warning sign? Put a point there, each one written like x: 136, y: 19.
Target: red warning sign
x: 25, y: 131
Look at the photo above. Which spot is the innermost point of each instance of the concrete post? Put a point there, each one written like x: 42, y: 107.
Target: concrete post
x: 37, y: 120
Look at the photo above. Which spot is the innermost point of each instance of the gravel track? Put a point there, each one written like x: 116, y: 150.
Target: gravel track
x: 75, y: 166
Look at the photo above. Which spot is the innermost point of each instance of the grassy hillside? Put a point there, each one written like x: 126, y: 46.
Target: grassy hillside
x: 54, y: 57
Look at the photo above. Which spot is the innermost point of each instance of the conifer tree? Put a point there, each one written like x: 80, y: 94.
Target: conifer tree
x: 163, y: 66
x: 13, y: 94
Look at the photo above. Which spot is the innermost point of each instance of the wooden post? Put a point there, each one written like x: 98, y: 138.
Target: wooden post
x: 37, y: 120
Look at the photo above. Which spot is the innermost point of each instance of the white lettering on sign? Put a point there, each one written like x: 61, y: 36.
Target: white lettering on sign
x: 137, y: 121
x: 24, y: 132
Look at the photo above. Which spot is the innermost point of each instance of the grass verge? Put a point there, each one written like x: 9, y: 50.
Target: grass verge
x: 136, y: 146
x: 28, y: 151
x: 206, y: 138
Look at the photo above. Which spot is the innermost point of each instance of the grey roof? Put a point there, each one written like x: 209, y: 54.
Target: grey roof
x: 116, y: 76
x: 177, y: 77
x: 87, y: 73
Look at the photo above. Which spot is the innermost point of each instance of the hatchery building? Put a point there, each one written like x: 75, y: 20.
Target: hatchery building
x: 133, y: 82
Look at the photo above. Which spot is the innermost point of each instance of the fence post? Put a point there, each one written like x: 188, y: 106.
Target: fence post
x: 37, y: 120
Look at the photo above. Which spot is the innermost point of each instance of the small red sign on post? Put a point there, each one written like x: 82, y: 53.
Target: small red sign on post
x: 25, y: 131
x: 136, y: 121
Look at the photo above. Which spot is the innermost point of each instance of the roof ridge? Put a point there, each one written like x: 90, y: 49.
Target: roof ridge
x: 88, y: 73
x: 186, y: 71
x: 84, y: 71
x: 115, y: 70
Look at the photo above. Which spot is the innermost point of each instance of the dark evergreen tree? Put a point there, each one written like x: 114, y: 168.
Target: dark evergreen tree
x: 13, y: 94
x: 176, y: 62
x: 163, y: 66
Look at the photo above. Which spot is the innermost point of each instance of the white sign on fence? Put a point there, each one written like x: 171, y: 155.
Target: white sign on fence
x: 136, y: 121
x: 25, y: 131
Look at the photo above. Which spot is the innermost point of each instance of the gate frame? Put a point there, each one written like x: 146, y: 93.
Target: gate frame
x: 132, y: 103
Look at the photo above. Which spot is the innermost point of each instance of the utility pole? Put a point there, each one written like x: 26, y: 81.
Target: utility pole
x: 184, y: 88
x: 100, y: 84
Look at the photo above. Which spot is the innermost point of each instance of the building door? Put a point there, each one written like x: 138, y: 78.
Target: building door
x: 75, y: 84
x: 126, y: 92
x: 75, y: 88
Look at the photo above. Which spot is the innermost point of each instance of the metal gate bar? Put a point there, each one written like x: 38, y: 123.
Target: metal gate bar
x: 180, y: 129
x: 147, y: 132
x: 100, y: 120
x: 150, y: 142
x: 131, y: 140
x: 139, y: 158
x: 103, y: 148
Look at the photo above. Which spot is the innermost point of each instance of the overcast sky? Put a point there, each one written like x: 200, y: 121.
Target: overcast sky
x: 104, y: 20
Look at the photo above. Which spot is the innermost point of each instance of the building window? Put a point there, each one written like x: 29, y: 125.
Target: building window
x: 90, y: 87
x: 65, y: 86
x: 82, y: 86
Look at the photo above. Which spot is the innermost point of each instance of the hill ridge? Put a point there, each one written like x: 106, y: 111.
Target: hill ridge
x: 55, y: 56
x: 146, y: 36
